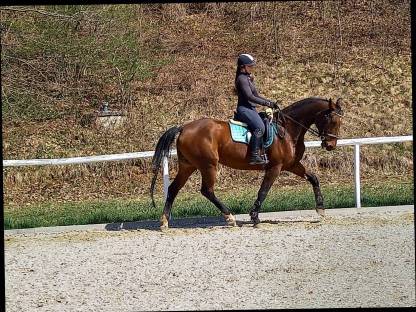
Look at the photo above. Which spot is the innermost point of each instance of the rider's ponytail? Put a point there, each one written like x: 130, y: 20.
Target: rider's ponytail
x: 237, y: 73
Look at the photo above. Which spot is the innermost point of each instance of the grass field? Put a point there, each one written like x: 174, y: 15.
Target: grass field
x: 187, y: 205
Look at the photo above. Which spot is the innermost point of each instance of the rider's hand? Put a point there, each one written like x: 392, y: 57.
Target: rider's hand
x: 274, y: 105
x: 269, y: 104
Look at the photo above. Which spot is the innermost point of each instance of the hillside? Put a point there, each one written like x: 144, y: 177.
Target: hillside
x: 167, y: 64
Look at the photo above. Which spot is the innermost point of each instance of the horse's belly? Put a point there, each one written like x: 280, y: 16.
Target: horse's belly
x: 240, y: 165
x: 236, y: 156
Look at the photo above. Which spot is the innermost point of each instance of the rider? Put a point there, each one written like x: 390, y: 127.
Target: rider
x: 246, y: 106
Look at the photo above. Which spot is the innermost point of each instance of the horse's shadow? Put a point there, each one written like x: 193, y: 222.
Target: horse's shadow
x: 278, y: 222
x: 193, y: 223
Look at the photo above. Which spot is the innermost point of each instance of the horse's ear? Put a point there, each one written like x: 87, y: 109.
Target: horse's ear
x: 331, y: 105
x: 339, y: 103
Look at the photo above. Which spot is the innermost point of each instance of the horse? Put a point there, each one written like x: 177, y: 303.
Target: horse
x: 204, y: 143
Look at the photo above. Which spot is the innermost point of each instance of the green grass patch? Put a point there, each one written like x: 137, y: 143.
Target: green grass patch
x: 190, y: 205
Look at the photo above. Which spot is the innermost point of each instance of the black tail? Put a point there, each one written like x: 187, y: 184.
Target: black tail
x: 162, y: 150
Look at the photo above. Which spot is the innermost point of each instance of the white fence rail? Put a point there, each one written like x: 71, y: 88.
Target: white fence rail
x: 117, y: 157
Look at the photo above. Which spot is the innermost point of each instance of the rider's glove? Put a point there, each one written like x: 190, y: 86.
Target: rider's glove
x: 273, y: 105
x: 269, y: 104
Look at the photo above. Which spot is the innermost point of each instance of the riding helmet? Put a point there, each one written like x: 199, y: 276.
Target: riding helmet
x: 245, y: 59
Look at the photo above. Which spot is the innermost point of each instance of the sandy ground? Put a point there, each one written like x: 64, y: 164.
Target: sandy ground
x: 344, y: 261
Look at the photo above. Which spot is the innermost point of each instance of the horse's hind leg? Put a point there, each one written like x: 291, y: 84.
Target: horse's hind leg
x: 300, y: 170
x: 268, y: 180
x: 209, y: 174
x: 184, y: 172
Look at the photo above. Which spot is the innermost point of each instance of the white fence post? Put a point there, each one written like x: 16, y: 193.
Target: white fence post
x: 166, y: 180
x: 357, y: 175
x: 165, y: 176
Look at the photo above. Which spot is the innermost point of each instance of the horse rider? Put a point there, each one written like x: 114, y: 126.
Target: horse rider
x: 248, y: 98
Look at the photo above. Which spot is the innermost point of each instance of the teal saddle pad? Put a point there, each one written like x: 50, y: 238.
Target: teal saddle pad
x: 242, y: 135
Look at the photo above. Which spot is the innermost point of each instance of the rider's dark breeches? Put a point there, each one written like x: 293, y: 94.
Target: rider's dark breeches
x: 252, y: 119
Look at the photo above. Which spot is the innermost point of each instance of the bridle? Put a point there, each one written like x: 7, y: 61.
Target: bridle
x: 321, y: 135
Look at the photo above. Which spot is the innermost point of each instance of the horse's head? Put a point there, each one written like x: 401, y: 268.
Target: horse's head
x: 328, y: 122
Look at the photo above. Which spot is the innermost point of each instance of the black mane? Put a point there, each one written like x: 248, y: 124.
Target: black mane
x: 295, y: 106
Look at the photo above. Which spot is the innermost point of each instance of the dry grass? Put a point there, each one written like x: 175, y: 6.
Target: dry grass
x: 185, y: 56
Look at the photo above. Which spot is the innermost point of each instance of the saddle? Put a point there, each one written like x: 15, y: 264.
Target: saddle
x: 241, y: 134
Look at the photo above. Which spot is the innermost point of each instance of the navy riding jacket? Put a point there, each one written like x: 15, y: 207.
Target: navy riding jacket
x: 247, y: 93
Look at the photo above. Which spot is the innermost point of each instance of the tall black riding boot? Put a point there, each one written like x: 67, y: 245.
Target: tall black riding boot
x: 254, y: 146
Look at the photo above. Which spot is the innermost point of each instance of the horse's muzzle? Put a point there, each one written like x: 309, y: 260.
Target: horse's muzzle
x: 328, y: 146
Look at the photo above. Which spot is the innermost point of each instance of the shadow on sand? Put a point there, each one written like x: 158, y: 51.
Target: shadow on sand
x: 183, y: 223
x: 191, y: 223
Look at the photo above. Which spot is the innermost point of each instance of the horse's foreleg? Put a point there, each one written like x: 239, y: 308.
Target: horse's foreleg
x: 319, y: 199
x: 209, y: 174
x: 183, y: 174
x: 268, y: 180
x: 300, y: 170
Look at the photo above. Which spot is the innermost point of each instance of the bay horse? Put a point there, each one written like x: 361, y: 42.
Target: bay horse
x: 203, y: 144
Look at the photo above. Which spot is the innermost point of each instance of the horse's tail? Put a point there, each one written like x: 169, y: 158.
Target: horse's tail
x: 162, y: 150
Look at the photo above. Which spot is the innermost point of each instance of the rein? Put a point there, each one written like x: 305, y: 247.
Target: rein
x: 321, y: 136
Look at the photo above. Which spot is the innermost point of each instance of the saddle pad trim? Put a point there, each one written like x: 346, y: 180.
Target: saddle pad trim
x: 240, y: 123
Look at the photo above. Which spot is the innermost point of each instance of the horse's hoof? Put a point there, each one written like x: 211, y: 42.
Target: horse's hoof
x: 257, y: 225
x: 321, y: 211
x: 230, y: 219
x: 164, y: 228
x: 164, y: 223
x: 254, y: 217
x: 255, y: 220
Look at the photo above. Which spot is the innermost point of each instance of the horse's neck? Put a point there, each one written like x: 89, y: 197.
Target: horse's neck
x: 304, y: 115
x: 296, y: 132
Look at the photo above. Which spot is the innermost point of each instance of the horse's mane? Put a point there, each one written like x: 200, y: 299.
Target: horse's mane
x: 295, y: 106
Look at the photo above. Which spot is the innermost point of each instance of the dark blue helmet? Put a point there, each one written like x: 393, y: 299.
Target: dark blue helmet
x: 245, y: 59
